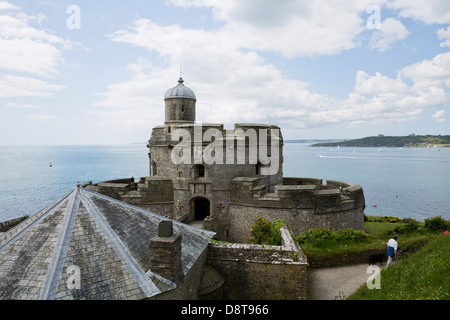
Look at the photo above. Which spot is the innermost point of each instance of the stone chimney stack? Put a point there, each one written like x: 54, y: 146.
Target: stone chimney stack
x: 165, y: 253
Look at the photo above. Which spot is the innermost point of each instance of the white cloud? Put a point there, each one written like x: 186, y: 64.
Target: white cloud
x: 381, y: 98
x: 233, y: 83
x: 378, y: 84
x: 214, y: 72
x: 28, y: 50
x: 444, y: 34
x: 290, y: 27
x: 430, y: 73
x: 428, y: 11
x: 4, y: 6
x: 391, y: 31
x: 439, y: 116
x: 18, y: 86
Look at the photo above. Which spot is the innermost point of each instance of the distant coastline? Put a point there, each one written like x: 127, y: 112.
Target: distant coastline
x: 414, y: 141
x: 313, y: 140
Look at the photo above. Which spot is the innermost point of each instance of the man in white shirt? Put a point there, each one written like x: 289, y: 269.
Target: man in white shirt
x: 392, y: 250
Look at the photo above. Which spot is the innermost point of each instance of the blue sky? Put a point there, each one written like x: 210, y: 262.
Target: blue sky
x: 315, y: 68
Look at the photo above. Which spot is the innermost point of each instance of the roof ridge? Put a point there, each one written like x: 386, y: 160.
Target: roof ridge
x: 56, y: 264
x: 11, y: 236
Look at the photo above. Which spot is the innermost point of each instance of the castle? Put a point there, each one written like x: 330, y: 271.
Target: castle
x: 225, y: 179
x: 127, y: 239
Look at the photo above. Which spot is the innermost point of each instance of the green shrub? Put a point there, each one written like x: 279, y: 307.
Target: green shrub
x: 384, y: 219
x: 261, y: 231
x: 436, y: 223
x: 322, y: 237
x: 266, y: 232
x: 315, y: 236
x: 350, y: 235
x: 392, y: 219
x: 276, y: 234
x: 410, y: 227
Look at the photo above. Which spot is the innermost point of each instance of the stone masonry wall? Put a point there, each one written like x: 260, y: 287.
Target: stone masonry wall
x: 151, y: 193
x: 261, y: 272
x: 302, y: 203
x: 243, y: 217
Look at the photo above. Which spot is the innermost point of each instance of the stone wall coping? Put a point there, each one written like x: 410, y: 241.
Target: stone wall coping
x: 340, y: 183
x: 352, y: 188
x: 328, y: 192
x: 276, y: 254
x: 112, y: 185
x: 246, y: 179
x: 255, y: 125
x: 295, y: 187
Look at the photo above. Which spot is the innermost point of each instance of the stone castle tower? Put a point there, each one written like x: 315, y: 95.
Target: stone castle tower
x: 180, y: 104
x: 202, y: 188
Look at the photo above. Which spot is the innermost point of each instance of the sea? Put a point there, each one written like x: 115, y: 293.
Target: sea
x: 399, y: 182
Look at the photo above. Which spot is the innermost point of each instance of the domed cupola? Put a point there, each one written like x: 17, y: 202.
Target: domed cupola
x: 180, y: 91
x: 180, y: 104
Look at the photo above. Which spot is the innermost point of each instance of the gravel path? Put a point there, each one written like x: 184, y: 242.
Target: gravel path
x: 337, y: 282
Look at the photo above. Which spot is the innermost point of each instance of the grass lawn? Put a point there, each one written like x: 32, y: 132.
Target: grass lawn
x: 425, y: 275
x: 423, y: 272
x: 329, y: 254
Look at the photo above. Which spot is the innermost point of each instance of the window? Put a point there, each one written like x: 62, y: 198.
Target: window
x: 154, y: 168
x: 199, y: 171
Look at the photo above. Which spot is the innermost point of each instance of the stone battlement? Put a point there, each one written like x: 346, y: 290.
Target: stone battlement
x: 303, y: 203
x: 301, y: 193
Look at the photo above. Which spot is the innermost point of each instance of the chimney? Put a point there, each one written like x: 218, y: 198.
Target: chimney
x: 165, y: 253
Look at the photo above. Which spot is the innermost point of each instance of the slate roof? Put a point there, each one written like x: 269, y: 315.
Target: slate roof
x: 101, y: 242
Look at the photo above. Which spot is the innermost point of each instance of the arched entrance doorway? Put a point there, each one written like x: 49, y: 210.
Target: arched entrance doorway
x: 200, y: 207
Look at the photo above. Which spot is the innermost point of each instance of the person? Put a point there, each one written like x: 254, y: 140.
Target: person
x: 392, y: 246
